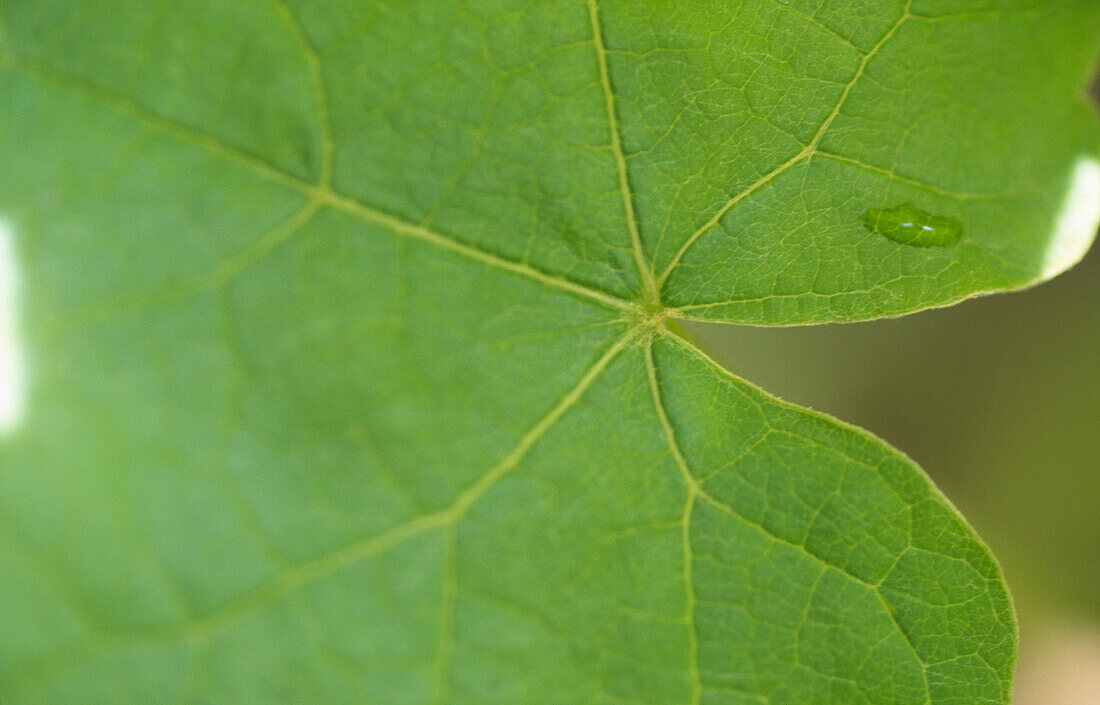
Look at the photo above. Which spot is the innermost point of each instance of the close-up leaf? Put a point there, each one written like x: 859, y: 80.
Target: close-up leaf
x: 341, y: 357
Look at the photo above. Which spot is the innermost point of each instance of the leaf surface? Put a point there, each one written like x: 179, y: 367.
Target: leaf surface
x: 347, y: 364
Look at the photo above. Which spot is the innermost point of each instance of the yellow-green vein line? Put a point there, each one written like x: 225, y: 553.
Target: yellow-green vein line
x: 420, y: 232
x: 320, y: 95
x: 649, y: 287
x: 447, y: 617
x: 219, y: 276
x: 154, y: 121
x: 693, y: 491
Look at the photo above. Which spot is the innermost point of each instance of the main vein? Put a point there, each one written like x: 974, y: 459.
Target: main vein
x: 694, y: 491
x: 649, y: 286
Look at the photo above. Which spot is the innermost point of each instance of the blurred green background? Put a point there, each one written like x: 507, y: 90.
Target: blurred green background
x: 998, y: 398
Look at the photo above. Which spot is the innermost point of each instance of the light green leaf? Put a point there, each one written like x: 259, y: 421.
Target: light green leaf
x: 341, y: 368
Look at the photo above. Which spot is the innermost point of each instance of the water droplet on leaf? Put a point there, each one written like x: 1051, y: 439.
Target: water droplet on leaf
x: 910, y: 225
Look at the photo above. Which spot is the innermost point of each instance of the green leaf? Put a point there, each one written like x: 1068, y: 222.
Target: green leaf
x: 343, y: 371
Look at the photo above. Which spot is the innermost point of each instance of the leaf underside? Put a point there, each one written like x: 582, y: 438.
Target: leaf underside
x: 350, y: 376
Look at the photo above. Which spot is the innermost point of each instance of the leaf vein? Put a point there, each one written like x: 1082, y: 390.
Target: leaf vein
x: 326, y: 195
x: 697, y: 490
x: 447, y: 617
x: 201, y: 630
x: 320, y: 95
x: 644, y: 269
x: 217, y: 277
x: 689, y: 504
x: 303, y: 574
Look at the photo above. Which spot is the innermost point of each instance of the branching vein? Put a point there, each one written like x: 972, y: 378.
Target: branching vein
x: 320, y: 95
x: 217, y: 277
x: 300, y: 575
x: 805, y: 153
x: 322, y: 194
x: 697, y: 490
x: 202, y: 630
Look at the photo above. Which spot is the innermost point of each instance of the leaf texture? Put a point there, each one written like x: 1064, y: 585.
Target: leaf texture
x: 352, y: 372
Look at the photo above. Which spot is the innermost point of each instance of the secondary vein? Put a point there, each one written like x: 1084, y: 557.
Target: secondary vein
x: 215, y: 278
x: 320, y: 95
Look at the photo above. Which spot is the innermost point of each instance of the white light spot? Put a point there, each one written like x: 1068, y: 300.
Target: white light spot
x: 1078, y: 221
x: 12, y: 372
